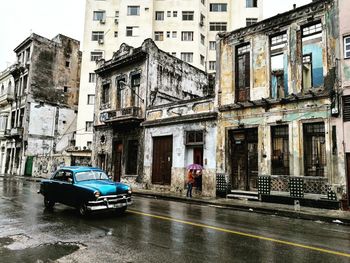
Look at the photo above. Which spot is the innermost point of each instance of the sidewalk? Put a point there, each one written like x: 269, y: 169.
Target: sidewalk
x: 308, y: 213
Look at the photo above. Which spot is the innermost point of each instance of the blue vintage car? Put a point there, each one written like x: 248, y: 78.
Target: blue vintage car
x: 86, y: 188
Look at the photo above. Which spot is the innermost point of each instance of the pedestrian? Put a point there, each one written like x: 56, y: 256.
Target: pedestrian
x: 190, y: 181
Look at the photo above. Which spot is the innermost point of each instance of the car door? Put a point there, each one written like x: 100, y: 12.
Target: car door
x: 67, y: 189
x: 56, y: 186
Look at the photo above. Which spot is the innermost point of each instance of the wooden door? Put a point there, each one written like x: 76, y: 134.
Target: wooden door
x: 198, y: 155
x: 244, y: 159
x: 118, y: 153
x: 162, y: 160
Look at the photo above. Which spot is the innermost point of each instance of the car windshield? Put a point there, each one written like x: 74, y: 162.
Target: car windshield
x: 90, y: 175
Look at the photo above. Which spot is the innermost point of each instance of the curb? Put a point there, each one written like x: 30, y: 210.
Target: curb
x: 251, y: 209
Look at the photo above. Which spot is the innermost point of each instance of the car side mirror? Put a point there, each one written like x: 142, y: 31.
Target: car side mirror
x: 70, y: 180
x: 110, y: 177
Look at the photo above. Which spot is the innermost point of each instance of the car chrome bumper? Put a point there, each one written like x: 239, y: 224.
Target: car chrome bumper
x: 109, y: 203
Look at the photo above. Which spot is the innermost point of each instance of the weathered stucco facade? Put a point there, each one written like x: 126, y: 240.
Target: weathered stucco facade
x: 130, y: 86
x: 275, y: 87
x: 41, y: 117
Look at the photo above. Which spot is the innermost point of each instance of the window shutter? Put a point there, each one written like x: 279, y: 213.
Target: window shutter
x: 346, y: 108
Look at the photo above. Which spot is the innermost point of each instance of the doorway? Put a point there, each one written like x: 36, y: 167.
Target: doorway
x: 244, y: 159
x: 118, y: 150
x: 162, y: 160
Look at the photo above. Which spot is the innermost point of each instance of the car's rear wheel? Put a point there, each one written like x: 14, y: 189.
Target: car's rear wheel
x: 49, y: 204
x: 83, y: 211
x: 121, y: 210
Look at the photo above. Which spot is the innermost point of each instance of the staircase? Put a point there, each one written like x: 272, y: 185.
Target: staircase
x: 243, y: 195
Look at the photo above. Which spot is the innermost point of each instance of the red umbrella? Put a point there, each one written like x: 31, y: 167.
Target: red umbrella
x: 194, y: 166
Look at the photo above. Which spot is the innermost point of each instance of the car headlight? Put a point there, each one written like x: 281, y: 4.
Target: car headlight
x: 97, y: 194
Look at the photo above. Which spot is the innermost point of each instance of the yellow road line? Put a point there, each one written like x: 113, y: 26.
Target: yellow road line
x: 243, y: 234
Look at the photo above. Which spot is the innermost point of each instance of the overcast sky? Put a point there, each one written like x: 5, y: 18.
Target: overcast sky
x: 19, y: 18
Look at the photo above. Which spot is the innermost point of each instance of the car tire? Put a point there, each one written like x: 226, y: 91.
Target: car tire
x: 49, y: 204
x: 121, y: 210
x: 83, y: 211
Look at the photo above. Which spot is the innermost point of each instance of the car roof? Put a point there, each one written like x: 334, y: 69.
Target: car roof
x: 76, y: 169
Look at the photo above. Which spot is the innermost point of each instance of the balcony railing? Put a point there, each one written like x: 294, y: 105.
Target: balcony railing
x: 18, y: 131
x: 121, y: 114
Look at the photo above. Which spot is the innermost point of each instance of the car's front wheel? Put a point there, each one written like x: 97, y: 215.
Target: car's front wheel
x: 49, y: 204
x: 83, y: 211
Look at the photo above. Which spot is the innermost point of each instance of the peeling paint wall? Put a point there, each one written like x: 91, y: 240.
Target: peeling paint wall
x: 297, y: 108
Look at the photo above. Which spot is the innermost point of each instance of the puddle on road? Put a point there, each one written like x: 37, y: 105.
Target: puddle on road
x: 42, y: 253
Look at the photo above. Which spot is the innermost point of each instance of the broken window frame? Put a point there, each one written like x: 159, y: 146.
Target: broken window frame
x: 314, y: 149
x: 280, y: 150
x: 105, y: 93
x: 278, y: 47
x: 195, y: 137
x: 242, y: 94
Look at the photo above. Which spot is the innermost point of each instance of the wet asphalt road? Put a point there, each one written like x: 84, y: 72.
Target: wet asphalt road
x: 158, y: 231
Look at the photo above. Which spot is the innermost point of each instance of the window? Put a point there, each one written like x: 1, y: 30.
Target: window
x: 251, y: 21
x: 116, y: 13
x: 279, y: 67
x: 243, y: 73
x: 347, y: 47
x: 218, y: 7
x: 314, y: 149
x: 251, y: 3
x: 174, y: 34
x: 120, y: 93
x: 187, y: 57
x: 131, y: 161
x: 174, y: 13
x: 217, y: 26
x: 159, y: 15
x: 91, y: 99
x: 168, y: 34
x: 168, y: 13
x: 135, y: 87
x: 88, y: 126
x: 202, y: 39
x: 202, y: 59
x: 133, y: 10
x: 187, y: 15
x: 115, y: 33
x: 132, y: 31
x: 158, y: 36
x: 65, y: 89
x: 173, y: 54
x: 194, y: 137
x: 202, y: 20
x: 105, y: 94
x: 212, y: 45
x: 187, y: 36
x: 67, y: 64
x: 92, y: 77
x: 89, y: 144
x: 346, y: 108
x: 99, y: 15
x: 97, y: 35
x: 96, y: 55
x: 312, y: 55
x: 280, y: 150
x: 212, y: 65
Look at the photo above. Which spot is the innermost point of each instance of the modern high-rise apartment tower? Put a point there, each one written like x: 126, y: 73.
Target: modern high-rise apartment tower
x: 185, y: 28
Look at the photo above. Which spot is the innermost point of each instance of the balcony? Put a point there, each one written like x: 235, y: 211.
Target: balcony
x: 130, y: 114
x: 6, y: 97
x: 14, y: 132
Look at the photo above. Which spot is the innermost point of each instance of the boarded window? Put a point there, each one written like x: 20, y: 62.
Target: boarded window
x: 131, y: 162
x: 279, y: 66
x: 314, y: 149
x: 312, y: 55
x: 280, y: 150
x: 243, y: 73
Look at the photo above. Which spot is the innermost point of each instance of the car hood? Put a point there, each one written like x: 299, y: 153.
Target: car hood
x: 105, y: 187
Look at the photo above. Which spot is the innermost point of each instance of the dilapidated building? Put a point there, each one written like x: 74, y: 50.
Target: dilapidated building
x: 40, y: 117
x: 138, y: 92
x: 275, y: 88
